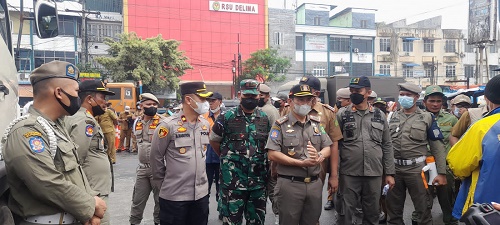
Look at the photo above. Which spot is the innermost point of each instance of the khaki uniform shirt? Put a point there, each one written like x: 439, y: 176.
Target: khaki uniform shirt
x: 143, y: 132
x: 271, y: 112
x: 367, y: 148
x: 410, y: 139
x: 178, y: 151
x: 124, y: 116
x: 106, y: 121
x: 42, y: 182
x: 446, y: 121
x: 290, y: 137
x: 467, y: 119
x: 87, y: 134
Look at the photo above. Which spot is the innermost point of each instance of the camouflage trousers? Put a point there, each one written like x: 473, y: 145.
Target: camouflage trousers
x: 233, y: 204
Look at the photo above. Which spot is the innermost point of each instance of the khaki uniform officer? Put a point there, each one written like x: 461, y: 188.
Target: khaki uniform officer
x: 47, y: 184
x: 145, y: 127
x: 87, y: 134
x: 125, y: 120
x: 412, y: 130
x: 366, y: 154
x: 178, y: 153
x: 298, y: 143
x: 107, y: 122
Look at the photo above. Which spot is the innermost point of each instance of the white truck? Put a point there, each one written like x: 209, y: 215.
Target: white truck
x: 46, y: 25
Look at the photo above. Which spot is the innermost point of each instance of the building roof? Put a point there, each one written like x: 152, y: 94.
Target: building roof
x: 25, y: 91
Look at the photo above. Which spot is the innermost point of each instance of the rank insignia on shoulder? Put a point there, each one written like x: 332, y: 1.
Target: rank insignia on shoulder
x: 329, y: 107
x: 36, y: 144
x: 31, y: 134
x: 138, y: 126
x: 274, y: 134
x: 315, y: 118
x: 89, y: 130
x: 282, y: 120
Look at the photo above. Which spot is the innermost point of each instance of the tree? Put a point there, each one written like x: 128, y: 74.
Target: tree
x: 156, y: 62
x: 266, y: 65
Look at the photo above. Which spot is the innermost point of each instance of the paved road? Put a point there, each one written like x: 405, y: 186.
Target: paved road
x: 120, y: 200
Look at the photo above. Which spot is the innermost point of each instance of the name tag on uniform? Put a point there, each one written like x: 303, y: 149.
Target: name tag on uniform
x: 182, y: 135
x: 204, y: 133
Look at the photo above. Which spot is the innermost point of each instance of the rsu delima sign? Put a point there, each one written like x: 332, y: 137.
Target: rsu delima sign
x: 233, y: 7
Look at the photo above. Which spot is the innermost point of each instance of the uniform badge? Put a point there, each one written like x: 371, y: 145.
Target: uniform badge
x: 36, y: 144
x: 316, y: 130
x: 70, y: 71
x: 89, y: 130
x: 181, y: 129
x: 204, y: 148
x: 138, y: 126
x: 183, y: 118
x: 32, y: 134
x: 274, y: 134
x: 162, y: 132
x: 291, y: 151
x: 182, y: 150
x: 290, y: 130
x: 179, y: 123
x: 322, y: 128
x: 204, y: 127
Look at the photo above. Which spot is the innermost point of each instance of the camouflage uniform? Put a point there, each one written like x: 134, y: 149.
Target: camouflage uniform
x: 243, y: 165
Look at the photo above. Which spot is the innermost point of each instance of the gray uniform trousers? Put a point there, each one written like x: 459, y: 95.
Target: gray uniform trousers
x: 361, y: 198
x: 142, y: 188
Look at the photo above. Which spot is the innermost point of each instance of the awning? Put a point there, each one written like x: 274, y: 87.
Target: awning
x: 411, y: 64
x: 411, y: 38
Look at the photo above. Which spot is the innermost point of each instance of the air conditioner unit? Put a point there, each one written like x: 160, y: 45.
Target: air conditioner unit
x: 407, y: 54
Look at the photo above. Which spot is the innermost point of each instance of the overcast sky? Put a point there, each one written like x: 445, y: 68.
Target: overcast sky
x: 454, y: 12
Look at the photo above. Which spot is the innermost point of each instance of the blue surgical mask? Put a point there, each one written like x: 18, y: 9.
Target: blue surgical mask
x: 406, y: 102
x: 457, y: 112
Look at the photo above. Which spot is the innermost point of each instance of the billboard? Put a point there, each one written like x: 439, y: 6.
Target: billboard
x: 482, y: 21
x: 316, y: 42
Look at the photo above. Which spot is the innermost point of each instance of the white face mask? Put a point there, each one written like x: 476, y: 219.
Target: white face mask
x: 215, y: 110
x: 302, y: 110
x: 203, y: 107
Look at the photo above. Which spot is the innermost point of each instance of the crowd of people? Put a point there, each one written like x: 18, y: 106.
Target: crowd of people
x: 370, y: 153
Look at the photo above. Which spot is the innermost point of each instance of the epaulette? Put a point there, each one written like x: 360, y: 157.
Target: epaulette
x: 282, y: 120
x: 329, y: 107
x: 315, y: 118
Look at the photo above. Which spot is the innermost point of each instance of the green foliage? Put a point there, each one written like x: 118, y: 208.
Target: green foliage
x: 155, y: 61
x: 266, y: 65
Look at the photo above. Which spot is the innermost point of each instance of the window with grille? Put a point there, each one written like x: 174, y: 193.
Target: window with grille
x: 299, y: 43
x: 317, y: 20
x: 450, y: 46
x: 278, y: 38
x: 428, y: 45
x: 407, y: 46
x: 385, y: 69
x: 407, y: 71
x: 385, y: 44
x: 450, y: 71
x: 469, y: 71
x: 339, y: 44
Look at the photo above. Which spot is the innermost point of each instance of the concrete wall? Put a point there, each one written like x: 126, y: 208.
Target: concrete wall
x: 311, y: 14
x: 369, y: 18
x: 283, y: 21
x: 342, y: 20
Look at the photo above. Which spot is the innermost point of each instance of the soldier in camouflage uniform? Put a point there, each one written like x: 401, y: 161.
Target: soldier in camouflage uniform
x: 239, y: 136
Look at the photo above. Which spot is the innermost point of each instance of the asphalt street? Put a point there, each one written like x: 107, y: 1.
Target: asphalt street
x: 121, y: 199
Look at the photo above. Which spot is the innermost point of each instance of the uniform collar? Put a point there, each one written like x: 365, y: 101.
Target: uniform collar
x: 293, y: 120
x: 353, y: 109
x: 239, y: 112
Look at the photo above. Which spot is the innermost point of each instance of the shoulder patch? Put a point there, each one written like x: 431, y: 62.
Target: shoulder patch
x: 89, y: 130
x: 138, y: 126
x: 162, y: 132
x: 31, y: 134
x: 36, y: 144
x: 282, y: 120
x: 329, y: 107
x: 315, y: 118
x: 274, y: 134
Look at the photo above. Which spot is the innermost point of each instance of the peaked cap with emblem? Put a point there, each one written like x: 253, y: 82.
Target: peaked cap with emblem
x: 249, y: 87
x: 264, y: 88
x: 300, y: 90
x: 461, y: 98
x: 359, y: 82
x: 94, y: 86
x: 312, y: 81
x: 197, y: 88
x: 411, y: 87
x: 433, y: 89
x: 148, y: 96
x: 343, y: 93
x: 54, y: 69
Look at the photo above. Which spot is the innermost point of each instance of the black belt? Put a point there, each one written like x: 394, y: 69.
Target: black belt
x: 300, y: 179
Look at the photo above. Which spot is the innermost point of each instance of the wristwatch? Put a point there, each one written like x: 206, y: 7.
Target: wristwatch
x: 320, y: 155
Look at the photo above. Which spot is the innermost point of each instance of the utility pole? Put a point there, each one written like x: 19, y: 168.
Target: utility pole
x: 239, y: 58
x: 234, y: 76
x: 84, y: 33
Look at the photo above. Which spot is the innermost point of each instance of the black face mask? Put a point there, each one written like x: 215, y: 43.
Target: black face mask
x: 151, y: 111
x: 277, y: 104
x: 97, y: 110
x: 338, y: 104
x: 249, y: 103
x: 74, y: 103
x: 357, y: 98
x: 261, y: 102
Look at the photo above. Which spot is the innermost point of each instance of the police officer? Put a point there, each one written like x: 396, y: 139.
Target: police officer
x: 145, y: 126
x: 343, y: 98
x: 328, y: 119
x: 178, y: 153
x: 135, y: 116
x: 107, y: 122
x: 298, y: 143
x: 280, y: 101
x: 125, y: 119
x: 412, y: 130
x: 239, y: 136
x: 433, y: 101
x: 46, y: 182
x: 85, y: 131
x: 366, y: 153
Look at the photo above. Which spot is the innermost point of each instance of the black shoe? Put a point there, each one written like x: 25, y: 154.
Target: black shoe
x: 382, y: 218
x: 413, y: 222
x: 328, y: 205
x: 220, y: 217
